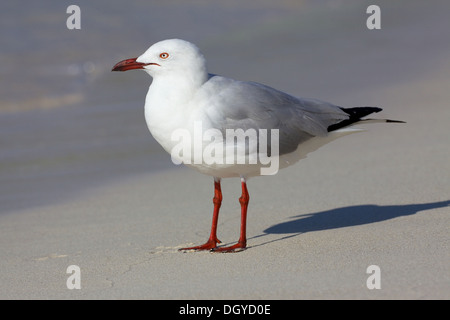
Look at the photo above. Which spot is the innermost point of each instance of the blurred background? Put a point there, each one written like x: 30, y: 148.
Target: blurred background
x: 68, y: 123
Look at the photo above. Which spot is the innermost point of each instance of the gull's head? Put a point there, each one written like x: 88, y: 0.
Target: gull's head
x: 173, y: 56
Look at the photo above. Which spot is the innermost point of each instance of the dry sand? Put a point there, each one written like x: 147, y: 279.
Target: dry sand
x: 105, y: 198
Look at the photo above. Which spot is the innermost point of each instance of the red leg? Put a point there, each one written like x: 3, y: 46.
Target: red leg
x: 212, y: 241
x: 242, y: 242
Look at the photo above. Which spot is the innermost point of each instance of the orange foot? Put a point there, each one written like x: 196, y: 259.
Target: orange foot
x: 240, y: 246
x: 209, y: 245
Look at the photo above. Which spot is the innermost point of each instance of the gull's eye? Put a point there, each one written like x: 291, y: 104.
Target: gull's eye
x: 164, y: 55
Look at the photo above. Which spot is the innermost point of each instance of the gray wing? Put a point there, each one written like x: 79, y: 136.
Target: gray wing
x: 245, y: 105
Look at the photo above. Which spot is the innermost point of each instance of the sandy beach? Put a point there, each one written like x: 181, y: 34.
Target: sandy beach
x: 82, y: 181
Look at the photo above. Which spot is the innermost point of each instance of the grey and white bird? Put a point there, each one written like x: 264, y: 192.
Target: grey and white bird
x: 229, y: 128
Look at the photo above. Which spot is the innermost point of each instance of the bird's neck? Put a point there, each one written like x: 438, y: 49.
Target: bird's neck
x: 175, y: 89
x: 169, y: 105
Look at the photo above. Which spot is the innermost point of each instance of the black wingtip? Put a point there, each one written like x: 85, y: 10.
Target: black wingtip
x: 395, y: 121
x: 355, y: 115
x: 359, y: 112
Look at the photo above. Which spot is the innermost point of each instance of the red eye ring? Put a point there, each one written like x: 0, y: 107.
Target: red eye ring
x: 164, y: 55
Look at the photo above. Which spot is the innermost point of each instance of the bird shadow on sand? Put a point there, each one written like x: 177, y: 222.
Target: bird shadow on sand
x: 344, y: 217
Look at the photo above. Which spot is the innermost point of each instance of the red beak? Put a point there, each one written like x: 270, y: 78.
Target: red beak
x: 129, y: 64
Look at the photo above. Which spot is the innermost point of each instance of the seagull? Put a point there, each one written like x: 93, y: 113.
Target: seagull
x: 229, y: 128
